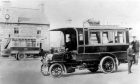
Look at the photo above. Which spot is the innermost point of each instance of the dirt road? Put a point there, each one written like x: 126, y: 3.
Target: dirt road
x: 27, y: 71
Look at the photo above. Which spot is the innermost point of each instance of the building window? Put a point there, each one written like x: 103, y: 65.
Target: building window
x: 16, y: 30
x: 38, y: 31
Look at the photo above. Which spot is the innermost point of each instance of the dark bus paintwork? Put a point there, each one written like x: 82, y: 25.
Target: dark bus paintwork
x: 92, y: 48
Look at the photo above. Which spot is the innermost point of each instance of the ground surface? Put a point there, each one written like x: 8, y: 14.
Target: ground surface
x: 27, y: 71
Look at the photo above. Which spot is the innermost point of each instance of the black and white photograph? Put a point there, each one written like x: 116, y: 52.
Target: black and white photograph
x: 69, y: 41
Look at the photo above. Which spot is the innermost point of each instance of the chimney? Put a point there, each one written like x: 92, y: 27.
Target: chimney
x: 42, y: 7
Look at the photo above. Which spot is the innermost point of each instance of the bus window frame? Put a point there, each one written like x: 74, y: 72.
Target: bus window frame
x: 33, y: 42
x: 101, y: 38
x: 124, y: 36
x: 86, y: 37
x: 113, y: 38
x: 89, y: 31
x: 79, y: 41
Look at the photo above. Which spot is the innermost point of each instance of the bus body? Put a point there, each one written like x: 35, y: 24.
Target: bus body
x: 103, y: 47
x: 20, y: 47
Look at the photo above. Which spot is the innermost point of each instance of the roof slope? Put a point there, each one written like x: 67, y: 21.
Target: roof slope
x: 22, y: 15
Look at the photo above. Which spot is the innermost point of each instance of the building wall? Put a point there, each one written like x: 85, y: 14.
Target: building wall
x: 27, y: 21
x: 29, y: 31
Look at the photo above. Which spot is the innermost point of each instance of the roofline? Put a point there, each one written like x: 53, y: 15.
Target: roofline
x: 57, y: 29
x: 23, y: 23
x: 23, y: 37
x: 106, y: 27
x: 21, y: 8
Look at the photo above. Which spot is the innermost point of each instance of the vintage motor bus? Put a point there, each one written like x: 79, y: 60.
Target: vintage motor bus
x: 20, y: 47
x: 92, y: 48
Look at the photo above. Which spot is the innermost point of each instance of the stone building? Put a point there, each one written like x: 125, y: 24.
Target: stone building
x: 26, y: 24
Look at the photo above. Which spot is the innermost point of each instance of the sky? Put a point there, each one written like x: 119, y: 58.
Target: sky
x: 109, y: 12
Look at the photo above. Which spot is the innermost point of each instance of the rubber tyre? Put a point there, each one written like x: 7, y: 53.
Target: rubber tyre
x: 44, y: 70
x: 20, y: 56
x: 107, y: 64
x: 56, y: 70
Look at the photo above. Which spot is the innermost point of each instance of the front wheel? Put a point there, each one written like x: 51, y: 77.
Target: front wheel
x: 45, y: 70
x: 107, y: 64
x: 56, y: 70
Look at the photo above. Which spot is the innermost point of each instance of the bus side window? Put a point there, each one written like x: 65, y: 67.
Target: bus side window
x: 80, y: 37
x: 119, y: 37
x: 127, y: 36
x: 33, y: 43
x: 67, y: 37
x: 107, y: 37
x: 16, y: 43
x: 86, y: 36
x: 116, y: 39
x: 94, y: 38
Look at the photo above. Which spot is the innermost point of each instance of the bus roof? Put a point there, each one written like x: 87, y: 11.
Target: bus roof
x: 112, y: 27
x: 99, y: 27
x: 22, y: 37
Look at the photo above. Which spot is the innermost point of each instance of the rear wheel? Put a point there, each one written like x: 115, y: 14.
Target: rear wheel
x: 56, y: 70
x: 107, y: 64
x: 20, y: 56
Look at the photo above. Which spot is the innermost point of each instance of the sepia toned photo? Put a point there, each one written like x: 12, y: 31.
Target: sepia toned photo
x: 69, y: 41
